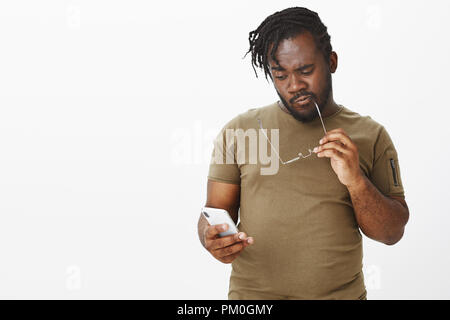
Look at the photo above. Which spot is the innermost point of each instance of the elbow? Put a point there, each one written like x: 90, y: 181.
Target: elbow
x: 391, y: 242
x: 394, y: 238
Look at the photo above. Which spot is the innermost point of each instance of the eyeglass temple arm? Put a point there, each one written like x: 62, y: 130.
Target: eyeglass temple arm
x: 264, y: 133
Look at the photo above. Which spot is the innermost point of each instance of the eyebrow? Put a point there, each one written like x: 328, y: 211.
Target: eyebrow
x: 280, y: 68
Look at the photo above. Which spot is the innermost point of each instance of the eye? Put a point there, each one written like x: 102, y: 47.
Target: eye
x: 281, y: 78
x: 307, y: 73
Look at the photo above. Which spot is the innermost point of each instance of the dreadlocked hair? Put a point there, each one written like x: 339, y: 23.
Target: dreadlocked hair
x: 284, y: 25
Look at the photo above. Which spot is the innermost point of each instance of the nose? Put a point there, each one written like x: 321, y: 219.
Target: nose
x: 296, y: 84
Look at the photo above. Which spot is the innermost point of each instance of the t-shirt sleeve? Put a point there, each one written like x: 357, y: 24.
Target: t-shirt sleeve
x: 223, y: 167
x: 385, y: 174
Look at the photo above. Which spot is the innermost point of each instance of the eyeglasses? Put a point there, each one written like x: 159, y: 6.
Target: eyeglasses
x: 300, y: 155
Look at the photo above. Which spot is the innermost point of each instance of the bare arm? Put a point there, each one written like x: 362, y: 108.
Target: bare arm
x: 220, y: 195
x: 224, y: 196
x: 380, y: 218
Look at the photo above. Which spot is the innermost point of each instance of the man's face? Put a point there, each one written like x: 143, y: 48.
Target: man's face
x: 302, y: 72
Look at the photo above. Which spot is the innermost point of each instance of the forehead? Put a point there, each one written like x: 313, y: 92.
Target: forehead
x: 296, y: 51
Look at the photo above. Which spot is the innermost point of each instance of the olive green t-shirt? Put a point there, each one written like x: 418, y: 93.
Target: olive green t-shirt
x: 307, y: 241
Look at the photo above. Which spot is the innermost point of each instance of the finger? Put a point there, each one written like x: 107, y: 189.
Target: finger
x: 214, y: 230
x: 246, y: 240
x: 336, y: 130
x: 231, y: 257
x: 332, y: 145
x: 223, y: 252
x: 226, y: 241
x: 336, y: 135
x: 331, y: 153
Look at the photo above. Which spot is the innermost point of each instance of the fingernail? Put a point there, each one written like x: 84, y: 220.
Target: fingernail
x: 241, y: 236
x: 321, y: 141
x: 250, y: 240
x: 315, y: 149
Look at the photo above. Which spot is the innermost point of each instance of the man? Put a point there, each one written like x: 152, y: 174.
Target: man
x: 299, y: 228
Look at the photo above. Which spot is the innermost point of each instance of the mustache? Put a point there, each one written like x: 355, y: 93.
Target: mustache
x: 304, y: 94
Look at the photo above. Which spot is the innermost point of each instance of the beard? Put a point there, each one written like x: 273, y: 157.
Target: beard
x: 310, y: 112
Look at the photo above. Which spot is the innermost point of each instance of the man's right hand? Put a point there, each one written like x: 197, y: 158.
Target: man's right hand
x: 225, y: 249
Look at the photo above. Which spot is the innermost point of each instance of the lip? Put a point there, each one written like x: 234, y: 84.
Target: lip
x: 302, y: 100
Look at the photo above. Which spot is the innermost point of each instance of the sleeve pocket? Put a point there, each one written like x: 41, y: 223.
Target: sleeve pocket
x: 395, y: 181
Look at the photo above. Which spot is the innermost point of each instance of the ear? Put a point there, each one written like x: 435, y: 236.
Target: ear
x: 333, y: 62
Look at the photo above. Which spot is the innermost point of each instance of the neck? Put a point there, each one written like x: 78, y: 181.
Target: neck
x: 331, y: 107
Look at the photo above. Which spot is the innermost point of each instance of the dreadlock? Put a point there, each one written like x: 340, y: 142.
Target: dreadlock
x: 284, y: 25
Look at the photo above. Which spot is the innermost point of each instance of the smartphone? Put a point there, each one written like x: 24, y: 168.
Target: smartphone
x: 220, y: 216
